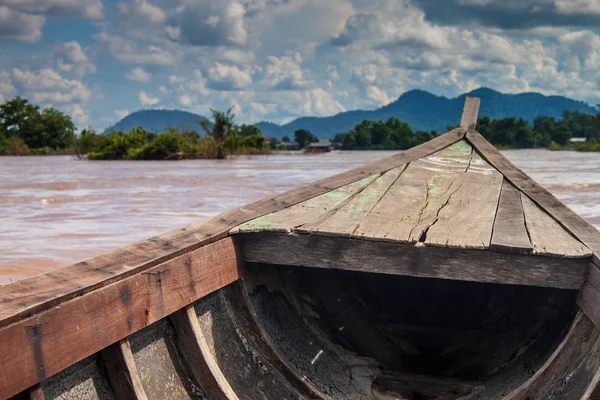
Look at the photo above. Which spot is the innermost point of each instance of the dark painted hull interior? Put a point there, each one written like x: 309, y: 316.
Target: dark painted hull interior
x: 293, y: 332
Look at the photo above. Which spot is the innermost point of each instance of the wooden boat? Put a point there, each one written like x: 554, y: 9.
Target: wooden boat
x: 442, y: 272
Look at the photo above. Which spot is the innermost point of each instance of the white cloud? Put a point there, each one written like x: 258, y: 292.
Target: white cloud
x: 72, y: 57
x: 48, y: 86
x: 186, y: 100
x: 92, y: 9
x: 121, y: 113
x: 213, y: 23
x: 129, y: 52
x: 147, y: 100
x: 142, y: 12
x: 285, y: 73
x: 20, y: 27
x: 228, y: 77
x: 140, y: 75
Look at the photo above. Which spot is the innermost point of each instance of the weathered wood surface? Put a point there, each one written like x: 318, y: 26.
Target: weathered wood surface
x: 510, y: 234
x: 421, y: 261
x: 589, y: 299
x: 393, y: 385
x: 23, y: 298
x: 290, y: 218
x: 345, y: 220
x: 470, y: 112
x: 467, y: 217
x: 411, y: 205
x: 122, y: 371
x: 547, y: 236
x: 50, y: 341
x: 576, y: 225
x: 569, y: 371
x: 195, y: 350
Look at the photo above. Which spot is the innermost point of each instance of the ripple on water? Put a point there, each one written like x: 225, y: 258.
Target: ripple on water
x: 57, y: 210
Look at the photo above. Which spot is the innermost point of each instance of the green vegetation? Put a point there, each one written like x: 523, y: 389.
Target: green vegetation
x: 26, y: 130
x: 514, y: 133
x: 223, y: 138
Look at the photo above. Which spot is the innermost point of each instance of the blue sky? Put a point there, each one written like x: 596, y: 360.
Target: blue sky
x: 98, y: 60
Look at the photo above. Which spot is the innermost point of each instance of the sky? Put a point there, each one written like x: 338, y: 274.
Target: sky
x: 98, y: 60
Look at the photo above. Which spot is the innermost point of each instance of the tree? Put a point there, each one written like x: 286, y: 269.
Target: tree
x: 349, y: 141
x: 222, y: 125
x: 50, y: 128
x: 285, y: 139
x: 303, y: 137
x: 250, y: 130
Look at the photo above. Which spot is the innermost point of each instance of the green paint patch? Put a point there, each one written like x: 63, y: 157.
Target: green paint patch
x: 337, y: 195
x: 460, y: 145
x: 260, y: 222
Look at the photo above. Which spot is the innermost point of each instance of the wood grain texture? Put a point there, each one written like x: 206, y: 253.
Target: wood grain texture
x: 576, y: 225
x: 290, y: 218
x: 412, y: 203
x: 50, y: 341
x: 470, y: 112
x: 394, y: 385
x: 195, y: 350
x: 32, y: 295
x: 570, y: 370
x: 345, y: 220
x: 547, y: 236
x: 420, y: 261
x: 467, y: 218
x: 510, y: 234
x: 122, y: 371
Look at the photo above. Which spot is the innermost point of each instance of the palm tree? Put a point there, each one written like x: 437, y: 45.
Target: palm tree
x: 222, y: 125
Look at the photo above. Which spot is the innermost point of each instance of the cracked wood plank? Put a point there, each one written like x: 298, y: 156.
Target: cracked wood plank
x: 510, y: 234
x: 581, y: 229
x: 411, y: 204
x: 547, y: 236
x: 344, y: 221
x: 290, y: 218
x: 403, y: 259
x: 26, y: 297
x: 467, y: 217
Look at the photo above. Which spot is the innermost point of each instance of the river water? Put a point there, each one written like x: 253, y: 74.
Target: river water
x: 55, y: 211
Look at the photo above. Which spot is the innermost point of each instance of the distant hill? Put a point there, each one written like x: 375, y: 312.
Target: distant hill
x: 425, y: 111
x: 158, y: 121
x: 421, y: 109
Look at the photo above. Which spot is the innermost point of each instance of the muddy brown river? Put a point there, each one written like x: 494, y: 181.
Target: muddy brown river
x: 55, y: 211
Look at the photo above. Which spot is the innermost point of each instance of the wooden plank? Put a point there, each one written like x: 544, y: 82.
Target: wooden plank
x: 589, y: 298
x: 576, y: 225
x: 36, y: 393
x: 290, y: 218
x: 122, y: 371
x: 345, y: 220
x: 395, y: 385
x: 569, y: 370
x: 470, y: 112
x: 23, y: 298
x: 510, y: 234
x: 196, y: 352
x: 547, y: 236
x: 54, y: 339
x: 420, y: 261
x: 467, y: 218
x: 411, y: 205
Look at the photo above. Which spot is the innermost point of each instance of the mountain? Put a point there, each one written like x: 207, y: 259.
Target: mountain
x: 158, y: 121
x: 425, y: 111
x: 422, y: 110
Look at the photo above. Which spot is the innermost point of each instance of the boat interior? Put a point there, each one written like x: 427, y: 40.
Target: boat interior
x: 440, y: 273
